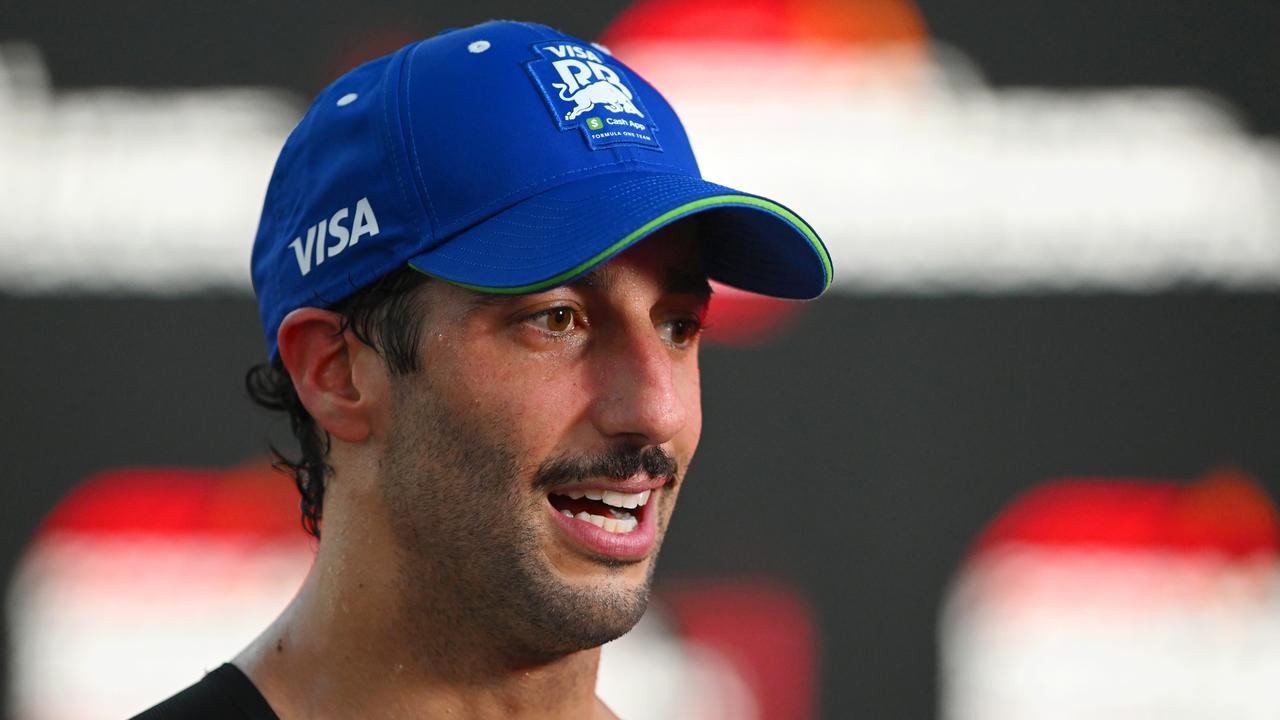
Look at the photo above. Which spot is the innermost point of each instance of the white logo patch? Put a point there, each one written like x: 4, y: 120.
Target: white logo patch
x: 585, y: 90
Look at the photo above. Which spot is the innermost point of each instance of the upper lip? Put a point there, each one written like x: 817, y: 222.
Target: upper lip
x: 636, y: 484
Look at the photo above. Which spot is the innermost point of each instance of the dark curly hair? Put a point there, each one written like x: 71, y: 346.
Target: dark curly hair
x: 388, y: 317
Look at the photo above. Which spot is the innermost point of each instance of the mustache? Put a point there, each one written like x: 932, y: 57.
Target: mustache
x: 619, y: 463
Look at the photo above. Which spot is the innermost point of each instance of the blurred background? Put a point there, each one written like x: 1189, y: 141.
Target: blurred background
x: 1020, y: 462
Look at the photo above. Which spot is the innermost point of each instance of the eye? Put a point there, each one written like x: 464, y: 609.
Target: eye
x: 680, y: 332
x: 555, y: 320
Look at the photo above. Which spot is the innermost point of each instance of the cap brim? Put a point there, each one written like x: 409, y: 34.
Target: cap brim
x: 552, y: 238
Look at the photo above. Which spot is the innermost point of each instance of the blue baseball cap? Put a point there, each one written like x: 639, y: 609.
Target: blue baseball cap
x: 505, y: 158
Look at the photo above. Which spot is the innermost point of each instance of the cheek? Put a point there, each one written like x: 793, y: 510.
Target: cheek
x: 690, y: 389
x: 536, y: 402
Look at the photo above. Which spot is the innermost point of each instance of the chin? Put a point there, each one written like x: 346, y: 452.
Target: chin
x: 572, y: 616
x: 592, y: 632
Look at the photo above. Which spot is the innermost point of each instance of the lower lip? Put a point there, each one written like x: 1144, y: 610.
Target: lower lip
x: 632, y: 546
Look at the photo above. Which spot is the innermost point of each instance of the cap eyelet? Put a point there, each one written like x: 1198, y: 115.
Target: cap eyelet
x: 346, y: 100
x: 478, y: 46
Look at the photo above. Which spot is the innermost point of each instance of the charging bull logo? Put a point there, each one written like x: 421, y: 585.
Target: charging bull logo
x: 614, y: 97
x: 585, y: 89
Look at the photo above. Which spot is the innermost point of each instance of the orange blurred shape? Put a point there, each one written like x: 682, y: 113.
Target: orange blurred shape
x: 769, y: 21
x: 1226, y: 512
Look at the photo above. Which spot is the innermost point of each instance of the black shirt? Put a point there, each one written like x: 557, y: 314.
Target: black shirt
x: 224, y: 694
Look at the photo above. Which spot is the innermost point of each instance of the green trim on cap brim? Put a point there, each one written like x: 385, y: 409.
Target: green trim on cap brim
x: 716, y: 201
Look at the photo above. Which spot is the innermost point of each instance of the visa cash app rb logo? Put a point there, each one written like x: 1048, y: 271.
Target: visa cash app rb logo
x: 577, y: 80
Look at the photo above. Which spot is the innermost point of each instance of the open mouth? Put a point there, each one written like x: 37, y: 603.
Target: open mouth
x: 611, y: 511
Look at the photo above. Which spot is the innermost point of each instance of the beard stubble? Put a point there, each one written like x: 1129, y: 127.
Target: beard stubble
x: 467, y: 520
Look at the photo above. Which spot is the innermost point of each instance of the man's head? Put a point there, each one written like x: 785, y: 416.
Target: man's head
x: 517, y: 408
x: 512, y: 432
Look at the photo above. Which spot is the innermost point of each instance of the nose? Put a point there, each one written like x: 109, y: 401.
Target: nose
x: 639, y: 390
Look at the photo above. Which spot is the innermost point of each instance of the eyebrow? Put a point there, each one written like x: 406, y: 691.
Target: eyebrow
x: 478, y: 301
x: 601, y: 279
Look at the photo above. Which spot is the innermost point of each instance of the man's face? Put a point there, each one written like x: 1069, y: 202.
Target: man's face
x: 526, y: 409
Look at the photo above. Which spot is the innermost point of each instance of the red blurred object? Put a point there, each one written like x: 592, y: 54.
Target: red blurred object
x: 1226, y: 511
x: 737, y: 317
x: 246, y: 501
x: 764, y: 630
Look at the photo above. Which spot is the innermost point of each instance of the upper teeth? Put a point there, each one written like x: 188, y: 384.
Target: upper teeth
x: 609, y: 497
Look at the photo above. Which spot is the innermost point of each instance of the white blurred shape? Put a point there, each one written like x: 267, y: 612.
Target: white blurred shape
x: 131, y: 190
x: 1119, y: 599
x: 651, y: 674
x: 104, y: 627
x: 1038, y: 633
x: 922, y: 178
x: 919, y: 175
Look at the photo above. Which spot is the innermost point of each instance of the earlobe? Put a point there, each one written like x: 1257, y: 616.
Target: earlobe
x: 320, y: 358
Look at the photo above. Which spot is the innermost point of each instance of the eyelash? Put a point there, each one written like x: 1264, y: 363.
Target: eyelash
x: 575, y: 319
x: 694, y: 333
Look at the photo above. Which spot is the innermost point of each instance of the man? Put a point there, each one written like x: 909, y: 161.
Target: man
x: 482, y: 268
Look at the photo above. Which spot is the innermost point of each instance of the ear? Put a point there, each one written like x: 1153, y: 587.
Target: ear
x: 322, y: 361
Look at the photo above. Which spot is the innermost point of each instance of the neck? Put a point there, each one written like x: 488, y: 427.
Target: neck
x: 349, y: 645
